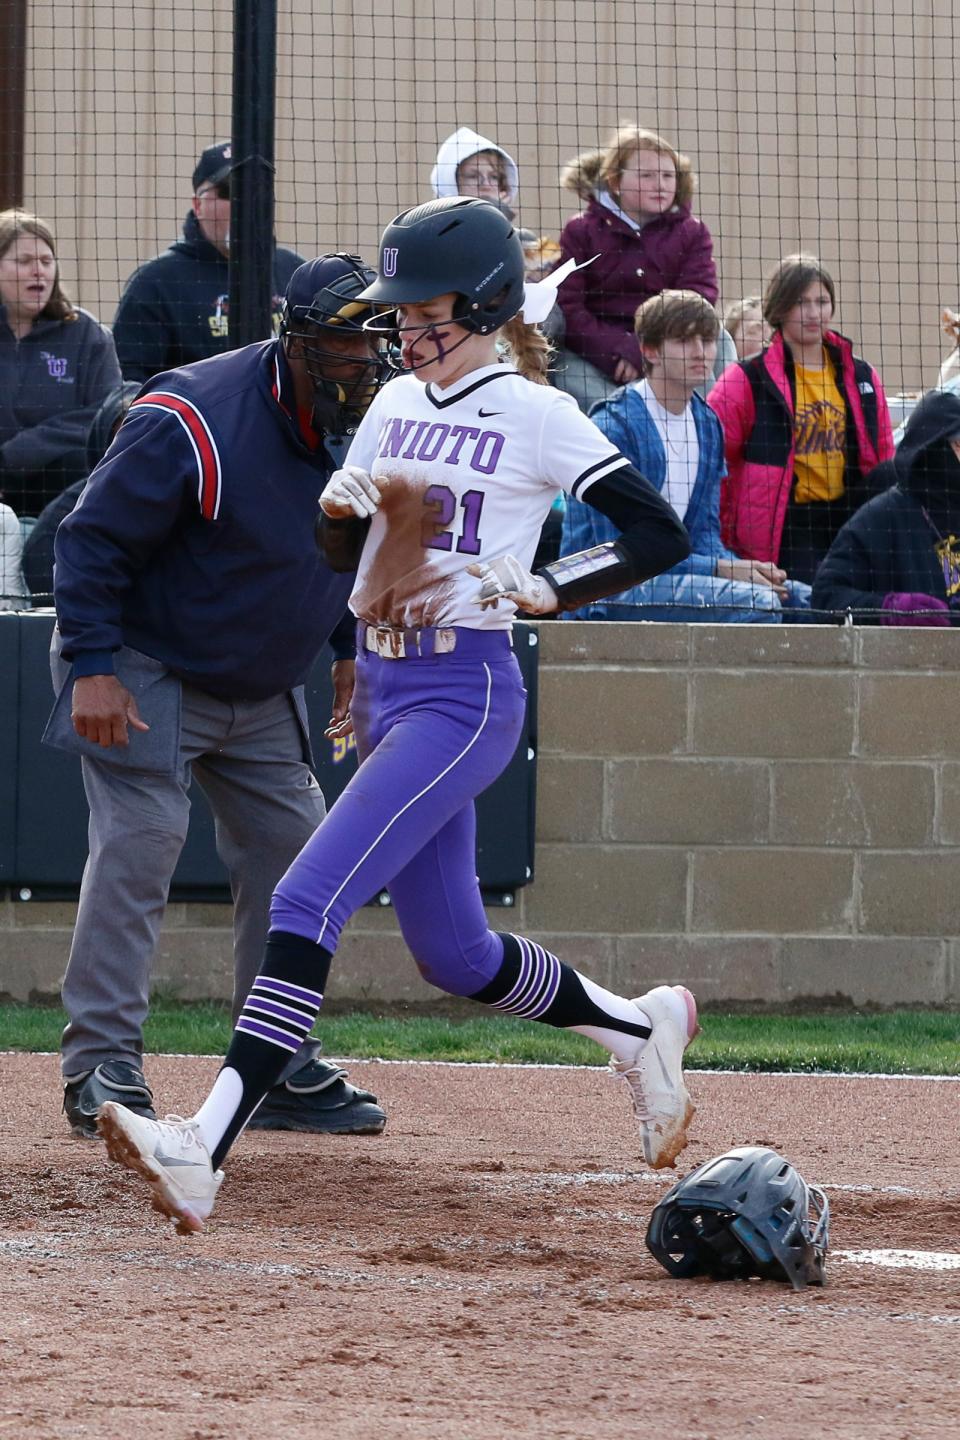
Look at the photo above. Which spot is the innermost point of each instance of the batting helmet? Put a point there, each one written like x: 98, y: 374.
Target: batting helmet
x: 458, y: 244
x: 744, y: 1213
x: 324, y: 298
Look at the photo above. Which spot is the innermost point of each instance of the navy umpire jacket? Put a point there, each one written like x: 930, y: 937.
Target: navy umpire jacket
x: 193, y: 540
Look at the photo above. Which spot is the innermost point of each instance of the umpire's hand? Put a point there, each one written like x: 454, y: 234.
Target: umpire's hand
x: 344, y: 675
x: 102, y: 710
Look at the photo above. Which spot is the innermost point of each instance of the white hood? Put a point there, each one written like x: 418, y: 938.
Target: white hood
x: 459, y: 147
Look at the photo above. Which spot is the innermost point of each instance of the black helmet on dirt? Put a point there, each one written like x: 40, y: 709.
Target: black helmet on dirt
x: 744, y: 1213
x: 323, y: 298
x: 458, y: 244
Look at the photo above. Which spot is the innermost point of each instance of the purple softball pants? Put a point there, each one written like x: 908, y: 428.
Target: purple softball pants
x: 432, y: 733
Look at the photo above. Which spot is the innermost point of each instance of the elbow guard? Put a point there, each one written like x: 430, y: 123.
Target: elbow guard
x: 590, y: 574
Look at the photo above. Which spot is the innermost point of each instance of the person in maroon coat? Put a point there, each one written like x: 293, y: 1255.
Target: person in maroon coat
x: 638, y: 223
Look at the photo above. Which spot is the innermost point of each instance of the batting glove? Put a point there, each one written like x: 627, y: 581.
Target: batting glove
x: 350, y: 491
x: 506, y: 579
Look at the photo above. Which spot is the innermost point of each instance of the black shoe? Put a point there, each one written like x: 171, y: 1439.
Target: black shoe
x: 113, y: 1080
x: 319, y: 1098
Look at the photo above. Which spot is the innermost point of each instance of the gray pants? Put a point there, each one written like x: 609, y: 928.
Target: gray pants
x: 249, y: 759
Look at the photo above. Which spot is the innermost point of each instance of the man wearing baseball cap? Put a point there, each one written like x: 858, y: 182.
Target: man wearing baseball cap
x: 174, y: 309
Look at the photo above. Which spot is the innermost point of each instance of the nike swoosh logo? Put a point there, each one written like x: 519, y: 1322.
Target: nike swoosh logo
x: 173, y: 1160
x: 668, y: 1079
x: 486, y: 414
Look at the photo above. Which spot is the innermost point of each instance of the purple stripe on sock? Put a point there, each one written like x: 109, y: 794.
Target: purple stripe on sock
x: 521, y: 980
x: 554, y: 986
x: 542, y: 990
x: 549, y: 977
x: 270, y: 1007
x: 528, y: 999
x: 292, y: 992
x: 267, y: 1032
x: 543, y: 1000
x: 532, y: 977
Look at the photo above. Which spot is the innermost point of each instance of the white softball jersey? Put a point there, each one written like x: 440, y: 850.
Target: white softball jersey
x: 467, y: 473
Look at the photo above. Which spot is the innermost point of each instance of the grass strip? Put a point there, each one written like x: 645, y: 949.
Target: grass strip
x: 893, y: 1042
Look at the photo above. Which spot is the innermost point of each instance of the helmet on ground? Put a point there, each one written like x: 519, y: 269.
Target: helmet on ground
x: 744, y: 1213
x: 458, y: 244
x: 323, y: 299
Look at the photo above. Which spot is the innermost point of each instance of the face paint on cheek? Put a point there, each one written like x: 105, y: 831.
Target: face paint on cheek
x: 415, y: 353
x: 438, y: 337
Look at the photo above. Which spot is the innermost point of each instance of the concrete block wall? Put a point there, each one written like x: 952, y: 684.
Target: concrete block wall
x: 770, y: 814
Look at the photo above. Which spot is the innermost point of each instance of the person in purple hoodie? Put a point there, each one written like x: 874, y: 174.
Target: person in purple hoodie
x: 639, y: 224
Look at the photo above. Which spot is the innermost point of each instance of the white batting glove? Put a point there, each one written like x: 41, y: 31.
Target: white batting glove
x: 350, y: 491
x: 506, y: 579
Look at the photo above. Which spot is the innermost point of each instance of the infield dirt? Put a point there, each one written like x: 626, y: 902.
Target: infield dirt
x: 476, y: 1272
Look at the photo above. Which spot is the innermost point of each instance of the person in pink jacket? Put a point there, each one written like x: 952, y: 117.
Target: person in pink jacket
x: 639, y: 225
x: 804, y: 423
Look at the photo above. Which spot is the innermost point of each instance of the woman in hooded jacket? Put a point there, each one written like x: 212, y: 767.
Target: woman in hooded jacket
x: 897, y: 560
x: 470, y: 164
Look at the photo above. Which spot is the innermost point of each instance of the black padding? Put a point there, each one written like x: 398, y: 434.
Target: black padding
x: 43, y: 809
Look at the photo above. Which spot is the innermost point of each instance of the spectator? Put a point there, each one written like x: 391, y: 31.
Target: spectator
x: 903, y: 405
x: 12, y: 588
x: 670, y: 435
x: 470, y: 164
x: 639, y: 225
x: 744, y: 322
x: 173, y: 310
x: 804, y: 423
x: 897, y: 560
x: 38, y: 546
x: 950, y: 369
x: 56, y: 365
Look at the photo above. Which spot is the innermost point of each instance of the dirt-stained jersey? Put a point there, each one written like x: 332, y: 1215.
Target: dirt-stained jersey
x: 467, y: 472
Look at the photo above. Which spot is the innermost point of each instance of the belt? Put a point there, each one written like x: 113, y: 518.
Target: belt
x: 391, y: 644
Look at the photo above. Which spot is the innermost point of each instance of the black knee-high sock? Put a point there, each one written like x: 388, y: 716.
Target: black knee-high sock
x: 534, y: 985
x: 276, y: 1018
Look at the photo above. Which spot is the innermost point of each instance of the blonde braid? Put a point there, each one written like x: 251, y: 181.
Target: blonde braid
x: 529, y: 349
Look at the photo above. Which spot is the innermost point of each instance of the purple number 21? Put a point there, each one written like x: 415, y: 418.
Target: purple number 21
x: 441, y: 503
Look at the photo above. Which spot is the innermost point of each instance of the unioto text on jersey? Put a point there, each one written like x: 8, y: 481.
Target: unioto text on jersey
x: 421, y: 440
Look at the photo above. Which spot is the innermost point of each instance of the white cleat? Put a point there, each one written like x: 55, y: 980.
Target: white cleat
x: 655, y: 1074
x: 170, y: 1156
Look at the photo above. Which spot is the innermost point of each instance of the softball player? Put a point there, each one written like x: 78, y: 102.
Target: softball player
x: 450, y: 476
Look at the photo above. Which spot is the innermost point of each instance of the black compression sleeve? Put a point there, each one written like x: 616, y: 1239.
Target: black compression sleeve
x: 341, y: 541
x: 652, y: 540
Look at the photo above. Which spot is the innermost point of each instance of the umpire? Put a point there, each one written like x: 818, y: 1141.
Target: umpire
x: 191, y: 604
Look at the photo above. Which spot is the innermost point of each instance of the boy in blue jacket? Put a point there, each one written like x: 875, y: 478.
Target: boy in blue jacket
x: 673, y: 438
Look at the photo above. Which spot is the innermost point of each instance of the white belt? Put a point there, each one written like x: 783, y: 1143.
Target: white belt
x: 392, y: 644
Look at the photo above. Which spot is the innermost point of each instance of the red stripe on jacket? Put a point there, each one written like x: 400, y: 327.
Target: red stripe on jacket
x: 208, y: 459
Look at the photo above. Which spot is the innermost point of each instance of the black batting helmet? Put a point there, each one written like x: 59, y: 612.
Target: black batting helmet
x: 323, y: 297
x: 744, y: 1213
x: 458, y: 244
